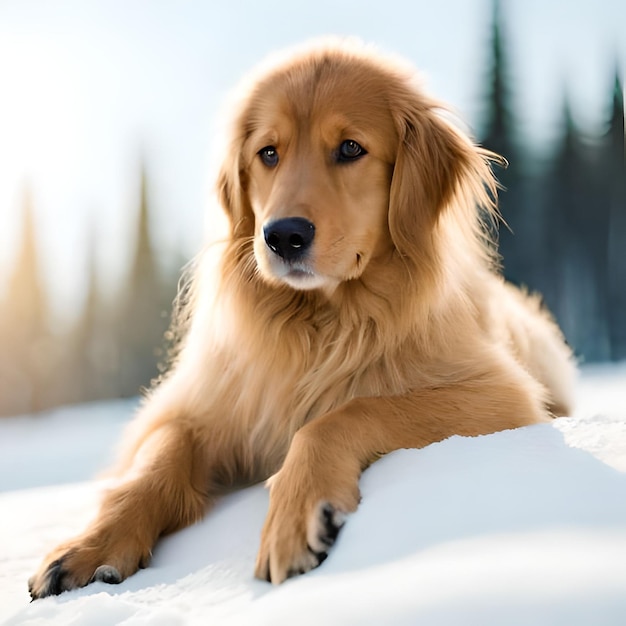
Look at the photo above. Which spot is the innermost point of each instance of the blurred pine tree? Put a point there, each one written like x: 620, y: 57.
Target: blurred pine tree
x: 28, y: 359
x: 613, y: 170
x: 144, y: 309
x: 93, y: 351
x: 576, y: 223
x: 498, y: 135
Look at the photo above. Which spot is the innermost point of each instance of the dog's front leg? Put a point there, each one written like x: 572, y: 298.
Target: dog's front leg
x: 164, y: 490
x: 318, y: 483
x: 309, y: 498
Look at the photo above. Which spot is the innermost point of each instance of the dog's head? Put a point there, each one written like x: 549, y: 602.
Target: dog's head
x: 337, y: 161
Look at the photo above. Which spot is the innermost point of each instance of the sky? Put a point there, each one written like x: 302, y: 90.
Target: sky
x: 93, y: 88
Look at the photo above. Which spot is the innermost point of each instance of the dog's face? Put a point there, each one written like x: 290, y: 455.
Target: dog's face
x: 319, y: 164
x: 337, y: 161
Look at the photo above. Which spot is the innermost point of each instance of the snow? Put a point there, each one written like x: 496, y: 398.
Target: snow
x: 61, y: 445
x: 520, y: 527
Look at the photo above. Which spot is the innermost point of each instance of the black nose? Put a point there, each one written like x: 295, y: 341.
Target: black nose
x: 289, y: 238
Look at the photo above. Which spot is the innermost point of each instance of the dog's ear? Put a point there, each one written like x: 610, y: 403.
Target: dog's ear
x: 232, y: 192
x: 433, y: 162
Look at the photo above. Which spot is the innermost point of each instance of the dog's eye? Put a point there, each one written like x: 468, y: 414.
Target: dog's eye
x: 349, y: 150
x: 269, y: 156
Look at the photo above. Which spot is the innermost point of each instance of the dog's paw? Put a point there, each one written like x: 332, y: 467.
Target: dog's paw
x: 80, y: 562
x: 309, y: 498
x: 305, y: 516
x: 289, y: 549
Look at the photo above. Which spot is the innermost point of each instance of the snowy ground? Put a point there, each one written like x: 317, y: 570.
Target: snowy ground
x: 520, y: 527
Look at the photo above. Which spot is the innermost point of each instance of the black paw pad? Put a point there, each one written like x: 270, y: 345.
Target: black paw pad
x: 331, y: 523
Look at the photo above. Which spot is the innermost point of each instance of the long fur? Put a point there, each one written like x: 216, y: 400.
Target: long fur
x: 408, y: 336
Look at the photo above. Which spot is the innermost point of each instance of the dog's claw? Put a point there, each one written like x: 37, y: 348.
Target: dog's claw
x: 107, y: 574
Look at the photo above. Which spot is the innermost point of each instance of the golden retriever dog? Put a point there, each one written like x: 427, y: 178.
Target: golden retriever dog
x: 355, y: 309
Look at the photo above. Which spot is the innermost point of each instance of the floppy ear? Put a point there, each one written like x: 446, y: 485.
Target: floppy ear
x: 432, y: 161
x: 232, y: 192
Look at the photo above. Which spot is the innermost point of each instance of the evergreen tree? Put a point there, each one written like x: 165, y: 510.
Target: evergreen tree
x: 576, y: 225
x: 144, y: 312
x: 93, y: 359
x: 499, y: 125
x: 27, y: 368
x: 498, y: 136
x: 614, y: 182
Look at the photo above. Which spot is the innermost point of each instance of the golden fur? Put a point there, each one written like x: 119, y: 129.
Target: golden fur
x: 394, y: 331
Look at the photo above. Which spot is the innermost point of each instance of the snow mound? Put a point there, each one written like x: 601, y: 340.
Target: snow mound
x: 520, y: 527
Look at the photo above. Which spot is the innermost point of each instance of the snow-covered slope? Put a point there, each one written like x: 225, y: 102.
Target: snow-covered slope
x: 520, y: 527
